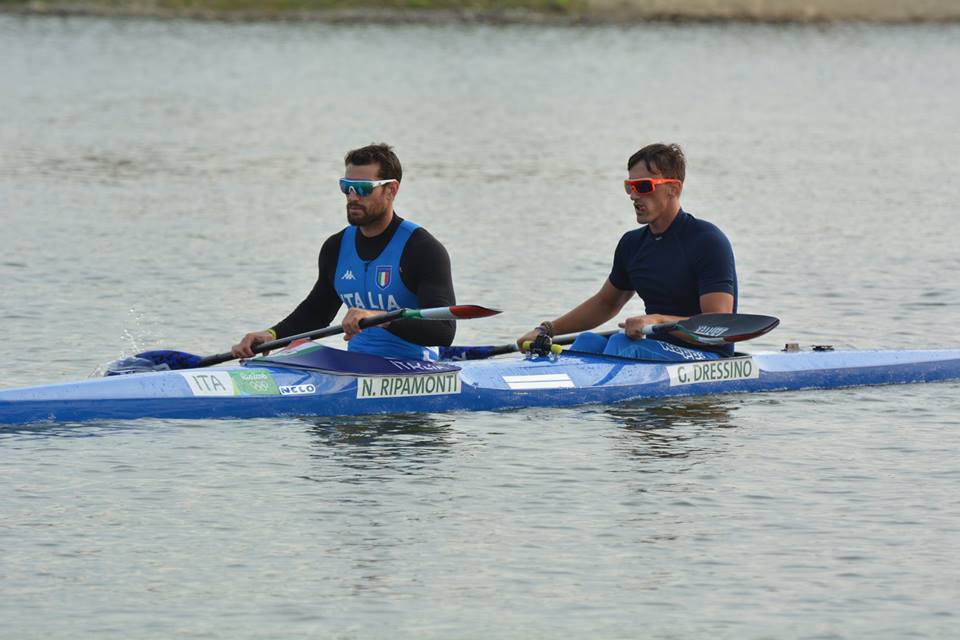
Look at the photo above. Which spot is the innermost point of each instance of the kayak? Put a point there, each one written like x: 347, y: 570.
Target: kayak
x: 312, y: 380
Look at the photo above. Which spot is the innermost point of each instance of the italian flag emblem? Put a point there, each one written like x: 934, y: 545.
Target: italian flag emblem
x: 383, y: 277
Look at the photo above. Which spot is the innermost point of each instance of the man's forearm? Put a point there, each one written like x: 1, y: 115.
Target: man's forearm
x: 589, y: 314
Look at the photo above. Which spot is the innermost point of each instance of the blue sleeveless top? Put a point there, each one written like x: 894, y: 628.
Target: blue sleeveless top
x: 376, y: 284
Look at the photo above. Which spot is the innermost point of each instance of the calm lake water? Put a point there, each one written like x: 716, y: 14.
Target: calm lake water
x: 169, y: 184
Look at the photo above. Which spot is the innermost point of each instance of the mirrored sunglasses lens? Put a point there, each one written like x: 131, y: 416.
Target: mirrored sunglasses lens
x: 359, y: 187
x: 638, y: 186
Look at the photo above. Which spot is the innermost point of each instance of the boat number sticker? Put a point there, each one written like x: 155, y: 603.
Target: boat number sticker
x: 713, y: 371
x: 231, y: 383
x: 402, y: 386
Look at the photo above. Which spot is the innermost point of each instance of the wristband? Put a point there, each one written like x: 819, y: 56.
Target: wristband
x: 547, y: 327
x: 272, y: 332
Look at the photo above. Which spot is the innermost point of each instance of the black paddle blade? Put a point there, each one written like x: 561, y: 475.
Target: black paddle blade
x: 722, y: 328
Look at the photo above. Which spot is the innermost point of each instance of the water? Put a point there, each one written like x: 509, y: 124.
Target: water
x: 169, y: 184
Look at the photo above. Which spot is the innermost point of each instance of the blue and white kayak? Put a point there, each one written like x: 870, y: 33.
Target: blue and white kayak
x: 299, y: 386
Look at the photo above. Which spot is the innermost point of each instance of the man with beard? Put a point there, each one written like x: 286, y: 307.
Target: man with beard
x: 380, y: 262
x: 679, y: 265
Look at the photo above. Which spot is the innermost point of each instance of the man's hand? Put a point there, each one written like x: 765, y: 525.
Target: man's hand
x: 529, y: 336
x: 351, y: 321
x: 244, y: 349
x: 633, y: 327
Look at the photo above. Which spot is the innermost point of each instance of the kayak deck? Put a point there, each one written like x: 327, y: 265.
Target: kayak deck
x: 260, y: 390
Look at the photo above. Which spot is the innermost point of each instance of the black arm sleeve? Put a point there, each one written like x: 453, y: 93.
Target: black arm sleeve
x: 322, y: 303
x: 425, y: 270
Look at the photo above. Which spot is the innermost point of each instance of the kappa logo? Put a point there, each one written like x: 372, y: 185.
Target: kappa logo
x: 348, y: 275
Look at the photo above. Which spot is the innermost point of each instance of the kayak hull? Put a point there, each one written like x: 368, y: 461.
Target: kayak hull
x: 257, y: 391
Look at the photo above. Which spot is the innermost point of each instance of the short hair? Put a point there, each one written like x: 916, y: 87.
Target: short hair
x: 666, y: 159
x: 379, y: 153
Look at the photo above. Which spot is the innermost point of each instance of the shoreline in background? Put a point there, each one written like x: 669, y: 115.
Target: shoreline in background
x: 549, y: 12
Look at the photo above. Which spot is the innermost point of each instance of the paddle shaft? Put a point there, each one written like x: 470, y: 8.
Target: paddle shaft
x: 369, y: 321
x: 687, y: 327
x: 484, y: 352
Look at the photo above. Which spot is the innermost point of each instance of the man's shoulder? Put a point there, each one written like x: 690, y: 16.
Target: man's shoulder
x: 332, y: 243
x: 336, y: 236
x: 631, y: 241
x: 634, y: 236
x: 696, y: 228
x: 421, y: 239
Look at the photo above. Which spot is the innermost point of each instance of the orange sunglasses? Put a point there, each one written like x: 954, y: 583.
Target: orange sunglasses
x: 646, y: 185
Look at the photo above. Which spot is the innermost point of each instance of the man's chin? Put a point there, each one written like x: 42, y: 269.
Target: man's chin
x: 358, y: 219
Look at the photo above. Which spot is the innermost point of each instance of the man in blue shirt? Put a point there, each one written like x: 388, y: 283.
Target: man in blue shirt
x: 680, y: 266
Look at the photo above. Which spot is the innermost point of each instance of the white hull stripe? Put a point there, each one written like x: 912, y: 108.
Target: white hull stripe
x: 542, y: 381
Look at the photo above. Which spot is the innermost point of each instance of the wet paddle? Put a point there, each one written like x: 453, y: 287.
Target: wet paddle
x: 168, y: 359
x: 715, y: 329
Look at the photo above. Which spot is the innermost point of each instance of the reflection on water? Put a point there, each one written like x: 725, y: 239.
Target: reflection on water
x: 670, y: 449
x: 392, y: 430
x: 397, y: 442
x: 651, y: 415
x: 50, y: 429
x: 672, y: 428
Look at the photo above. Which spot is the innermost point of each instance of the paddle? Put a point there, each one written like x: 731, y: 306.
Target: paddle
x: 168, y: 359
x: 715, y: 328
x: 705, y: 329
x: 488, y: 351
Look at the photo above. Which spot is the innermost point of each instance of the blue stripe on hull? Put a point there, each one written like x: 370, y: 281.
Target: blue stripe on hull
x: 497, y: 384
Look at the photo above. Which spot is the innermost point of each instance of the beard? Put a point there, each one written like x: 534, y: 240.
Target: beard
x: 361, y: 216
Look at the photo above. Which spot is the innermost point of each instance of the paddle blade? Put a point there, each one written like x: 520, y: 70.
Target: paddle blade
x: 132, y: 364
x: 720, y: 328
x: 160, y: 360
x: 456, y: 312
